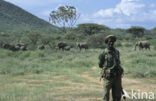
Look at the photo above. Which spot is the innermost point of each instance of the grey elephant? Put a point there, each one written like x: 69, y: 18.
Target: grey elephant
x: 67, y: 48
x: 82, y: 45
x: 142, y: 45
x: 41, y: 47
x: 10, y: 47
x: 22, y: 46
x: 62, y: 45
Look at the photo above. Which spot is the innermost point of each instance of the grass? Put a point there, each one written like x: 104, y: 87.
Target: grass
x: 136, y: 63
x: 52, y: 75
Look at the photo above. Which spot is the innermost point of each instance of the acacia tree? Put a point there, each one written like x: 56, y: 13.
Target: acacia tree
x: 64, y: 16
x: 136, y: 31
x: 91, y: 28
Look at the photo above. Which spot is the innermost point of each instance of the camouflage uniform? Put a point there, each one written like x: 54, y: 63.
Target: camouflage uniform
x: 109, y: 61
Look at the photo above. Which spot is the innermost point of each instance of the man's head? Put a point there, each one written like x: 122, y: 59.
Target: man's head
x: 109, y: 40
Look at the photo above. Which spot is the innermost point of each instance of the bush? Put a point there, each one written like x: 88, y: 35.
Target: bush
x: 70, y: 36
x: 97, y: 41
x: 34, y: 37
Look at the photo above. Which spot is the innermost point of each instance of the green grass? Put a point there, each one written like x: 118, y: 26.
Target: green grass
x: 136, y: 63
x: 139, y: 63
x: 53, y: 75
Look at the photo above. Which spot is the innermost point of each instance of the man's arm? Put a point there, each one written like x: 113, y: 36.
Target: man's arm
x: 101, y: 60
x: 119, y: 57
x: 121, y: 70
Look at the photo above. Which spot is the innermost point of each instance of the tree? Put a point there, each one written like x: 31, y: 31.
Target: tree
x: 91, y: 28
x: 64, y: 16
x: 153, y: 31
x: 136, y: 31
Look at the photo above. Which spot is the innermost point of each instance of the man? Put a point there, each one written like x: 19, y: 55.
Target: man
x: 112, y: 72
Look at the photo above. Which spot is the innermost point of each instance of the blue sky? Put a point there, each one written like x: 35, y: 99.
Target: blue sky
x: 112, y: 13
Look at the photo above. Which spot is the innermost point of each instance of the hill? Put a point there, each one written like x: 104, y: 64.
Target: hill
x: 12, y: 17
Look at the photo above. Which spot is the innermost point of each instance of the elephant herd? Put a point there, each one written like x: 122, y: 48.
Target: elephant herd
x: 65, y: 46
x: 17, y: 47
x: 23, y: 47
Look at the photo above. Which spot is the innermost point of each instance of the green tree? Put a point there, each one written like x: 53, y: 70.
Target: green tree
x: 153, y: 31
x: 91, y: 28
x: 64, y: 16
x: 136, y: 31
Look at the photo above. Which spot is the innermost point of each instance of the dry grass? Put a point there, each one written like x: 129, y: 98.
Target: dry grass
x: 60, y: 88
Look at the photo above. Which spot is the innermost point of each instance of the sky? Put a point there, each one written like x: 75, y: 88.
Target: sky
x: 112, y: 13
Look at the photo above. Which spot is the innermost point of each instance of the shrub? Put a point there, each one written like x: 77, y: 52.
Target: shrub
x: 97, y: 41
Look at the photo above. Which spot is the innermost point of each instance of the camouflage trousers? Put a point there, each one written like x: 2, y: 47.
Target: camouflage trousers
x: 114, y: 84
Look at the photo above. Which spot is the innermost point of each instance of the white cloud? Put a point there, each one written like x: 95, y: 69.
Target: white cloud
x: 104, y: 13
x: 125, y: 14
x: 152, y: 5
x: 126, y: 7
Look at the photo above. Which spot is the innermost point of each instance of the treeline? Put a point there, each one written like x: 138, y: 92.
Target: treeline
x: 90, y: 33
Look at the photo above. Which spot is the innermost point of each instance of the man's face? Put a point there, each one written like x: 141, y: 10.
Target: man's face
x: 110, y: 43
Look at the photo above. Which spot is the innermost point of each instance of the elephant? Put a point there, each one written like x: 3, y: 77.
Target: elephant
x: 10, y: 47
x: 5, y: 45
x: 142, y: 45
x: 62, y: 45
x: 22, y: 46
x: 41, y: 47
x: 1, y: 44
x: 67, y: 48
x: 82, y: 45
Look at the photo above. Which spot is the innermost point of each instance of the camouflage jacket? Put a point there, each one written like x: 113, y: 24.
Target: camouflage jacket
x: 109, y: 59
